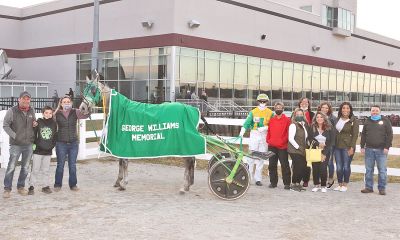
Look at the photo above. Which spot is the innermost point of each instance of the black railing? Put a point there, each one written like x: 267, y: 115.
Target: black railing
x: 37, y: 103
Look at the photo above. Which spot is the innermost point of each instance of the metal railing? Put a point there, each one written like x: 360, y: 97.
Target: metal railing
x: 36, y: 103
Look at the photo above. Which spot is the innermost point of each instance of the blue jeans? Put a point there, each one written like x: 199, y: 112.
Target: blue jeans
x: 331, y: 165
x: 63, y: 150
x: 372, y: 155
x: 15, y: 153
x: 343, y: 161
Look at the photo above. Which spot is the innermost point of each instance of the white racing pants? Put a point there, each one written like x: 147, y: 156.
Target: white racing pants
x: 258, y: 142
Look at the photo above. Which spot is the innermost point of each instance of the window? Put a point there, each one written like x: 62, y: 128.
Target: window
x: 265, y: 76
x: 307, y: 8
x: 240, y: 70
x: 338, y: 17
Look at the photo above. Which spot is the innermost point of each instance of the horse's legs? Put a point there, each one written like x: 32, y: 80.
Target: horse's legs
x: 124, y: 180
x: 191, y: 170
x: 189, y: 174
x: 120, y: 173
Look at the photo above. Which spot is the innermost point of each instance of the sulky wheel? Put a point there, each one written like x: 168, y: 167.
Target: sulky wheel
x: 218, y: 157
x: 219, y: 185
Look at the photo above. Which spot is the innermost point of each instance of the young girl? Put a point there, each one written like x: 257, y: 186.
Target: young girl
x: 321, y: 134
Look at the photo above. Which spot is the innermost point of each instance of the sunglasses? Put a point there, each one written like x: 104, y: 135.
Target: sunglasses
x: 262, y: 101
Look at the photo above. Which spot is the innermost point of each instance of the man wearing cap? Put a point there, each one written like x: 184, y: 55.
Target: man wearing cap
x: 18, y: 124
x: 257, y: 121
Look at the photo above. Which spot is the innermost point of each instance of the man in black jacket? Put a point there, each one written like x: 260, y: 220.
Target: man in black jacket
x: 18, y: 124
x: 376, y: 139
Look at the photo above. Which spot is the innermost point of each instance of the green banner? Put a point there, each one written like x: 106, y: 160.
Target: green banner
x: 141, y: 130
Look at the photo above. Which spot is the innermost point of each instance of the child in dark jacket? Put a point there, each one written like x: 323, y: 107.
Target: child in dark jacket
x: 45, y: 141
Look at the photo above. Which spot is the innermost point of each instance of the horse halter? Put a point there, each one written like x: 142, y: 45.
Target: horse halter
x: 91, y: 94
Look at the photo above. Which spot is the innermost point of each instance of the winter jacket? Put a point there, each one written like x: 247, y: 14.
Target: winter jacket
x: 300, y: 137
x: 278, y: 132
x: 67, y: 131
x: 333, y: 120
x: 348, y: 136
x: 19, y: 126
x: 327, y: 134
x: 45, y: 136
x: 377, y: 134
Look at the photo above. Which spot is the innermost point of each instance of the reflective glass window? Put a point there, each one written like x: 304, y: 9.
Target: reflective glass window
x: 126, y: 70
x: 211, y: 70
x: 188, y: 69
x: 240, y: 76
x: 158, y: 67
x: 141, y: 68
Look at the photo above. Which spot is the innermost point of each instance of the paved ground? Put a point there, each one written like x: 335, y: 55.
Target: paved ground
x: 151, y: 208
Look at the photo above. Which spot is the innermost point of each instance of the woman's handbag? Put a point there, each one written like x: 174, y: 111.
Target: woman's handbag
x: 313, y: 155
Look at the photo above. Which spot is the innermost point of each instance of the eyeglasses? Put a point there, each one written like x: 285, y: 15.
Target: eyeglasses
x: 262, y: 101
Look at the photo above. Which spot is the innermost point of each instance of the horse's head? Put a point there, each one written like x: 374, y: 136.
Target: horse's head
x: 92, y: 94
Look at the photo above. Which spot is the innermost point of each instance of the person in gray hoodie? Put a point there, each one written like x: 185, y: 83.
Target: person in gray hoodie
x: 18, y: 124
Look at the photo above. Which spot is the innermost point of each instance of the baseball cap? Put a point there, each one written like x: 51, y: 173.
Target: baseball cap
x: 24, y: 94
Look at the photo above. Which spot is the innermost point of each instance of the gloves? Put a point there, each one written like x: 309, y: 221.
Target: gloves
x: 262, y: 129
x: 242, y: 131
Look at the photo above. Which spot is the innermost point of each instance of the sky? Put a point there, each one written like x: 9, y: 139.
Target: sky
x: 378, y: 16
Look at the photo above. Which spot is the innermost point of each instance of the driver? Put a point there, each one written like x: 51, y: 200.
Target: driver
x: 257, y: 121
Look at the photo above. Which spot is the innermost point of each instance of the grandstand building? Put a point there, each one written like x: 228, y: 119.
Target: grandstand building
x: 157, y: 50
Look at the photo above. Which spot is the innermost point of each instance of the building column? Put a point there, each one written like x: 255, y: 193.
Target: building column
x: 171, y: 73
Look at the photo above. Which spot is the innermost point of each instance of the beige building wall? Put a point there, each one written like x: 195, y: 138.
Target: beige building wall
x: 218, y: 21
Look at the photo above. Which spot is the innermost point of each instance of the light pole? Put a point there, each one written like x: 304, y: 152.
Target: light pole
x: 95, y: 48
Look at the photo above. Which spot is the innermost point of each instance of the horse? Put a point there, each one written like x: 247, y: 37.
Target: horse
x: 122, y: 179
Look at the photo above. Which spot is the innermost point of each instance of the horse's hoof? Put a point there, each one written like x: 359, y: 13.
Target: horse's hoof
x: 183, y: 190
x: 121, y: 188
x: 116, y: 185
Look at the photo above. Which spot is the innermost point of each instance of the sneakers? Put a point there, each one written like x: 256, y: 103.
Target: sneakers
x: 74, y: 188
x: 286, y: 187
x: 47, y: 190
x: 297, y: 187
x: 258, y: 183
x: 343, y: 189
x: 323, y: 190
x: 22, y: 191
x: 272, y: 186
x: 382, y: 192
x: 57, y: 189
x: 316, y: 189
x: 6, y: 194
x: 367, y: 190
x: 31, y: 190
x: 337, y: 188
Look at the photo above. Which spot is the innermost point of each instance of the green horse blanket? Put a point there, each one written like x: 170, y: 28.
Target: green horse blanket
x: 141, y: 130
